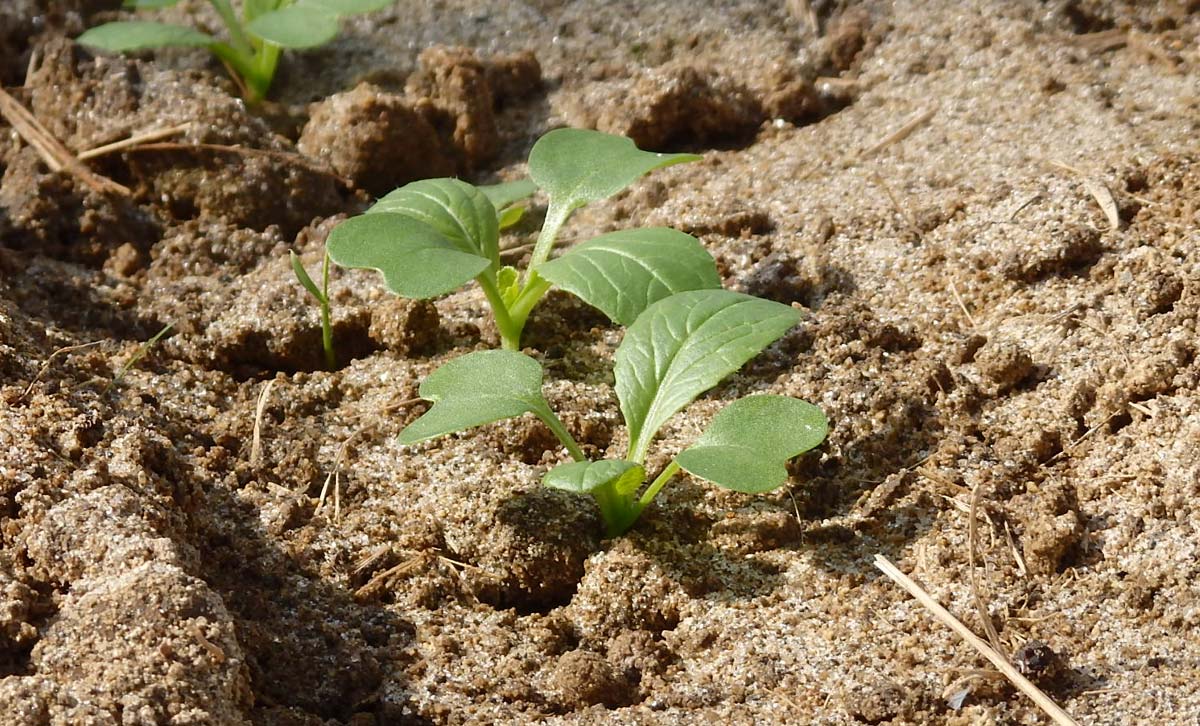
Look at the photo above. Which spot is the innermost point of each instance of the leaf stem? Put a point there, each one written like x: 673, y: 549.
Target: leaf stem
x: 237, y: 35
x: 327, y: 318
x: 556, y: 217
x: 510, y: 332
x: 556, y: 427
x: 656, y: 486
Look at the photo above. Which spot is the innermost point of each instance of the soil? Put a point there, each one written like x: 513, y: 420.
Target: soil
x: 988, y: 210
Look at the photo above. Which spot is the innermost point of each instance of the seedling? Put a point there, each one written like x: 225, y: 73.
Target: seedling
x: 322, y: 297
x: 432, y: 236
x: 256, y: 38
x: 678, y: 348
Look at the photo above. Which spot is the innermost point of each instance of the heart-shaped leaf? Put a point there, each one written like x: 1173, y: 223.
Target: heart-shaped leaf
x: 584, y: 477
x: 748, y: 444
x: 349, y: 7
x: 458, y: 210
x: 296, y: 26
x: 577, y: 166
x: 623, y: 273
x: 476, y: 389
x: 416, y: 260
x: 138, y: 34
x: 684, y: 345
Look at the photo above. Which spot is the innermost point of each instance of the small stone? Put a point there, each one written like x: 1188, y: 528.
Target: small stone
x: 583, y: 678
x: 1005, y: 363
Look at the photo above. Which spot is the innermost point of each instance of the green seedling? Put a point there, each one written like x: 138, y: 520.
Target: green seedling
x: 256, y: 37
x: 680, y: 347
x: 321, y: 294
x: 432, y: 236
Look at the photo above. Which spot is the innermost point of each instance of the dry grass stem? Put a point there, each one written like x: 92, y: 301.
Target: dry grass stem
x: 286, y: 157
x: 1022, y: 570
x: 963, y: 306
x: 901, y: 209
x: 259, y: 408
x: 1053, y: 710
x: 803, y: 11
x: 1099, y: 191
x: 901, y: 133
x: 985, y: 617
x: 50, y: 359
x: 56, y: 156
x: 136, y: 139
x: 334, y: 477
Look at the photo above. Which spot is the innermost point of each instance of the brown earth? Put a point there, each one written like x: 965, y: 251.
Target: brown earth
x: 925, y: 178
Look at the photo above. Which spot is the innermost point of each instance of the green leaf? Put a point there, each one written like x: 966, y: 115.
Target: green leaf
x: 623, y: 273
x: 295, y: 26
x: 583, y: 477
x: 747, y: 446
x: 252, y: 9
x: 576, y: 166
x: 476, y: 389
x: 416, y: 260
x: 349, y: 7
x: 511, y: 215
x: 508, y: 282
x: 458, y: 210
x: 305, y: 280
x: 684, y: 345
x: 139, y: 34
x: 507, y: 193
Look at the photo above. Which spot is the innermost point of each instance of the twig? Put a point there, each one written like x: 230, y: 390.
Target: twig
x: 1056, y: 713
x: 901, y: 133
x: 56, y: 156
x: 144, y: 138
x: 256, y: 439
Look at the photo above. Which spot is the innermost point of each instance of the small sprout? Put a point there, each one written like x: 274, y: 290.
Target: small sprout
x: 322, y: 297
x: 256, y: 38
x: 619, y: 273
x: 680, y: 347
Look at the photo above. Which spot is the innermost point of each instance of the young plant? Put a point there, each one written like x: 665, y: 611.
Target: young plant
x: 432, y: 236
x: 680, y: 347
x: 256, y: 38
x: 321, y: 294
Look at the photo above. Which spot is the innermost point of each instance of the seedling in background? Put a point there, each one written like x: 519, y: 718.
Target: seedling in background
x: 678, y: 348
x: 256, y: 38
x: 322, y: 296
x: 430, y: 237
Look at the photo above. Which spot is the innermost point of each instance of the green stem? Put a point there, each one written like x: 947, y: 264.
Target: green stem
x: 556, y: 217
x: 241, y: 42
x: 327, y: 318
x: 656, y: 486
x: 510, y: 333
x: 615, y: 510
x: 534, y: 290
x: 556, y: 427
x: 268, y: 62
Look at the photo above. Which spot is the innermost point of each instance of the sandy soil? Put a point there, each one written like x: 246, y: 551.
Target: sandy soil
x: 928, y: 179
